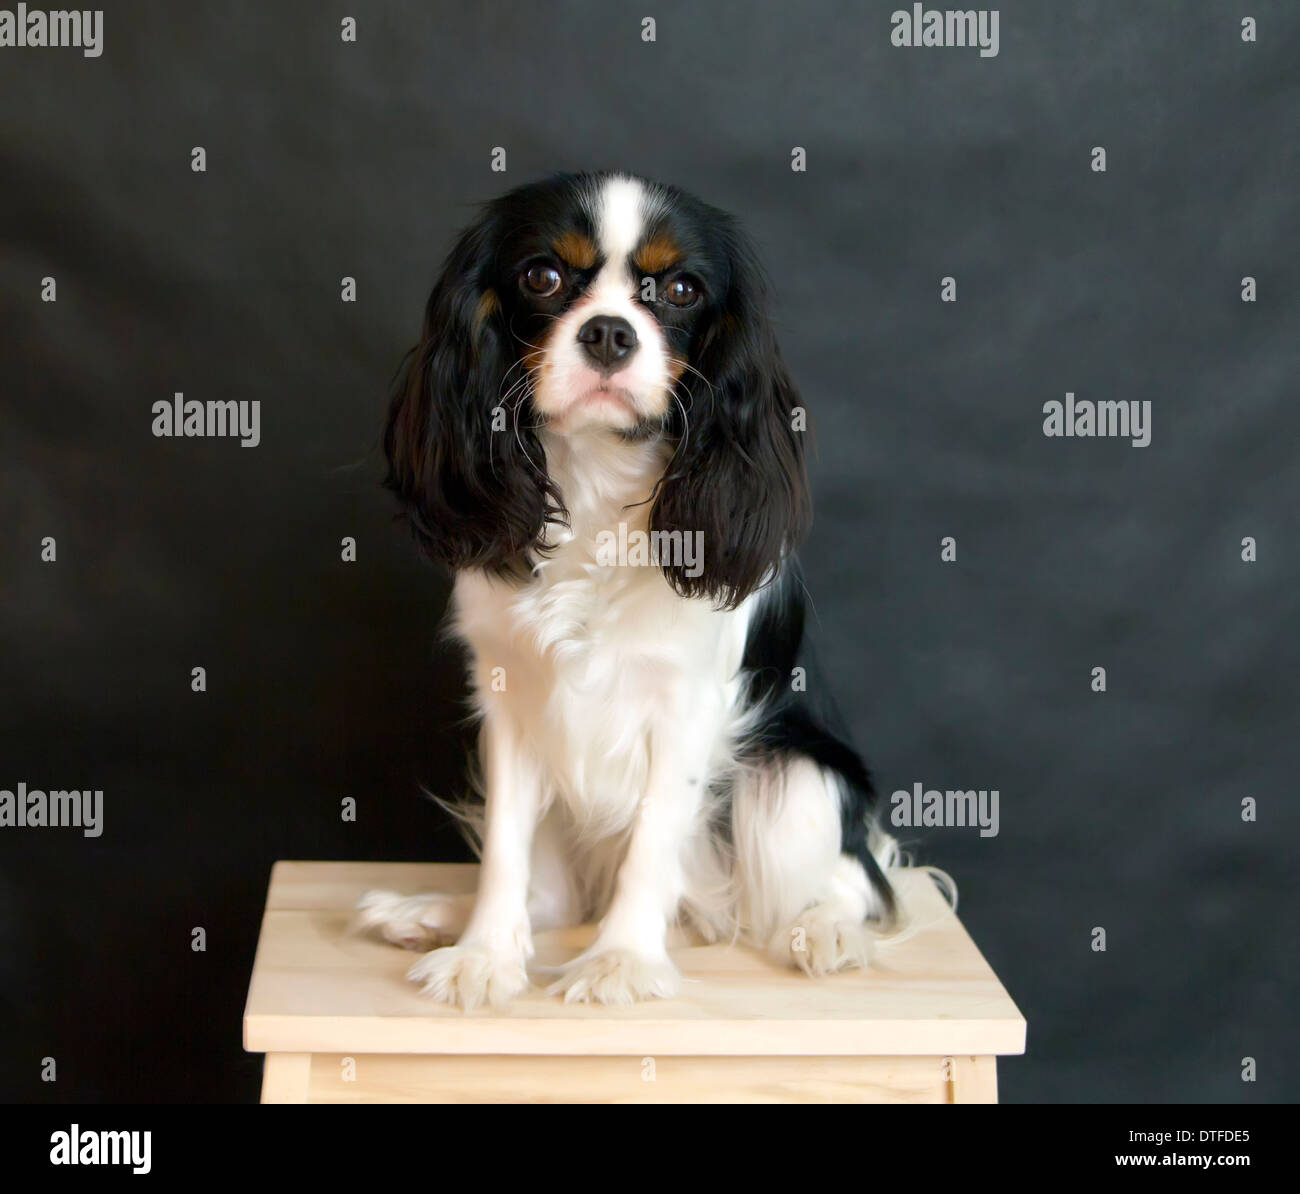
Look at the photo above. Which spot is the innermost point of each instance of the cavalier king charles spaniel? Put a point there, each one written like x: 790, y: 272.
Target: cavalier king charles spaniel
x: 597, y: 435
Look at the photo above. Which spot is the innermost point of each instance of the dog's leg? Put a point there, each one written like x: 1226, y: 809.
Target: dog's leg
x: 800, y: 895
x: 488, y: 964
x: 553, y: 898
x: 629, y: 959
x: 414, y: 922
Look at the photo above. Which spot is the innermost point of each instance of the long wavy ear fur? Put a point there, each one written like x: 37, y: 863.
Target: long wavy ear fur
x: 738, y: 476
x: 462, y: 456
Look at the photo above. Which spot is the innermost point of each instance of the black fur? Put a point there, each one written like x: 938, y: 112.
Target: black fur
x: 473, y: 497
x: 738, y: 475
x: 804, y: 720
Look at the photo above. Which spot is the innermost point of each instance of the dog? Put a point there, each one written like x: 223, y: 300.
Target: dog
x: 598, y: 436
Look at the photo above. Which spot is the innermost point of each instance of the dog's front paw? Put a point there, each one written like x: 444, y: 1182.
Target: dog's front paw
x: 619, y: 977
x: 468, y: 976
x: 822, y: 940
x: 413, y: 922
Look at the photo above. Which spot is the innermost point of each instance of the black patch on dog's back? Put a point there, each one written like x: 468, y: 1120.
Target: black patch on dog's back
x: 805, y: 721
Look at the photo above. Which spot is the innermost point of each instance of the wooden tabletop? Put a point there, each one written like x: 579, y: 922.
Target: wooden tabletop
x: 317, y: 988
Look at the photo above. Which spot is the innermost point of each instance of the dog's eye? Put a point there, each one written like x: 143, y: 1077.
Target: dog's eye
x: 541, y: 279
x: 681, y: 291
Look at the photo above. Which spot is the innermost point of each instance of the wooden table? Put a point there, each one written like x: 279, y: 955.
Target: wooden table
x: 339, y: 1022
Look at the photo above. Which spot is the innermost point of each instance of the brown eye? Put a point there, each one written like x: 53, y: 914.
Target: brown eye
x: 681, y: 292
x: 541, y: 280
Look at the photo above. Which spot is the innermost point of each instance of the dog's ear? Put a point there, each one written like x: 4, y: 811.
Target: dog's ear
x: 738, y: 477
x: 462, y: 456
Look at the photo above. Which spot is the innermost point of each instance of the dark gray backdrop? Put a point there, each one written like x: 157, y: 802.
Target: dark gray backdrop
x: 1119, y: 810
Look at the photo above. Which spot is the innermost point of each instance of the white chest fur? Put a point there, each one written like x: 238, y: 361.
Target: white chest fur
x: 598, y: 663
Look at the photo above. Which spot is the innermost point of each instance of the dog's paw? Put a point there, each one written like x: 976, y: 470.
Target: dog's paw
x: 822, y: 940
x: 619, y: 977
x: 469, y: 976
x: 413, y: 922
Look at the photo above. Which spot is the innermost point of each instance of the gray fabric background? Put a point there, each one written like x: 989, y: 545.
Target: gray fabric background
x: 1119, y: 810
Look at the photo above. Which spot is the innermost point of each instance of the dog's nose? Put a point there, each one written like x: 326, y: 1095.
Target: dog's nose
x: 608, y: 340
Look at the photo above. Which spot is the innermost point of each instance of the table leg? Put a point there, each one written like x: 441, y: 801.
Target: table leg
x: 285, y: 1077
x: 974, y: 1079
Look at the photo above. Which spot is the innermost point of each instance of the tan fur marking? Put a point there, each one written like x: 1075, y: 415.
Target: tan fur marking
x: 575, y: 250
x: 535, y: 355
x: 657, y: 255
x: 487, y: 307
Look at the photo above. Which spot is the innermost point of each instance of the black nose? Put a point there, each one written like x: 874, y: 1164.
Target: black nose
x: 608, y: 340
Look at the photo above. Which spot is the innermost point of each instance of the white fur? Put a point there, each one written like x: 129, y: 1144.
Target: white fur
x: 414, y: 922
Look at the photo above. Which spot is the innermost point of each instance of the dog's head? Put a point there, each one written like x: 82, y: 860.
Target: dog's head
x: 600, y: 303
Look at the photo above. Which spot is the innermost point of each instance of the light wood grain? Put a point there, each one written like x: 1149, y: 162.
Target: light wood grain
x: 421, y: 1078
x: 286, y: 1077
x: 317, y: 989
x: 974, y: 1080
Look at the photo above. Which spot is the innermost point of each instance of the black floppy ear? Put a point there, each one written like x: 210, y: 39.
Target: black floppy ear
x: 462, y: 455
x: 738, y: 476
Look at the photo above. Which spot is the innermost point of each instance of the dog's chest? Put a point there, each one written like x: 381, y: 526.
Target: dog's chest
x: 586, y: 661
x: 588, y: 644
x: 596, y: 655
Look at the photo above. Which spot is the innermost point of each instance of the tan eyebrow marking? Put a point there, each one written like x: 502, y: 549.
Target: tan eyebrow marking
x: 575, y: 250
x: 657, y: 254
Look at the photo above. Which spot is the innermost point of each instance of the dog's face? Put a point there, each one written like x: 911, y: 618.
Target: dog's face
x: 600, y: 302
x: 606, y: 284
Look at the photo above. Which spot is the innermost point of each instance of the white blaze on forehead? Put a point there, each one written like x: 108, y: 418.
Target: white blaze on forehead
x: 620, y: 220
